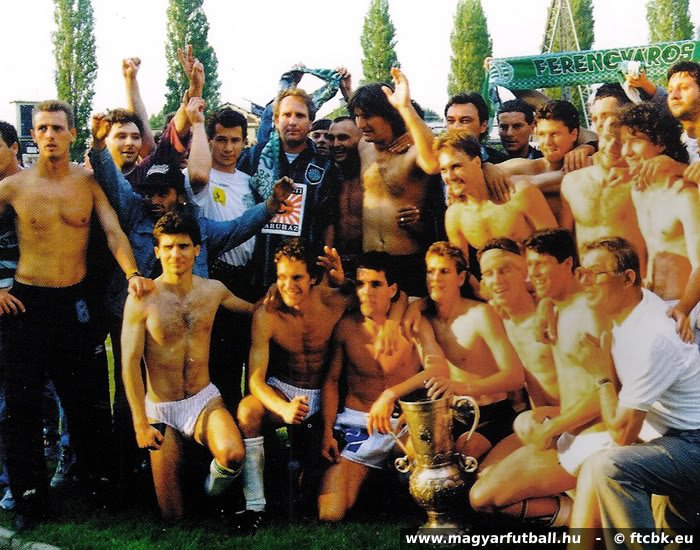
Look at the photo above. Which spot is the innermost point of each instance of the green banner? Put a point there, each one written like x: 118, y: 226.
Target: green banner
x: 587, y: 67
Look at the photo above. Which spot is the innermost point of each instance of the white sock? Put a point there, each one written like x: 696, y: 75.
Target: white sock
x: 219, y: 478
x: 253, y: 465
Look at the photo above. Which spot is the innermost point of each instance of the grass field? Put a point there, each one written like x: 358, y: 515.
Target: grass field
x: 76, y: 525
x: 101, y: 531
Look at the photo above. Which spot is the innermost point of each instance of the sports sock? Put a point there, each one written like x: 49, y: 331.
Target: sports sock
x: 253, y: 465
x: 219, y: 478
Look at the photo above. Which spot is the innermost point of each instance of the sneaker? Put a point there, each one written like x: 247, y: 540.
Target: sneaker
x: 8, y: 501
x: 62, y: 474
x: 248, y: 522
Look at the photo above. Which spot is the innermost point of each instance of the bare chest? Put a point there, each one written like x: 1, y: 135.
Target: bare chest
x: 360, y: 349
x: 388, y: 176
x: 534, y: 355
x: 486, y: 221
x: 599, y: 204
x: 657, y: 215
x: 173, y: 319
x: 308, y: 334
x: 351, y: 199
x: 39, y: 208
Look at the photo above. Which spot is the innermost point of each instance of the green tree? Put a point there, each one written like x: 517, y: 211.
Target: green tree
x: 669, y: 20
x: 187, y: 24
x: 76, y: 65
x: 471, y: 43
x: 378, y: 43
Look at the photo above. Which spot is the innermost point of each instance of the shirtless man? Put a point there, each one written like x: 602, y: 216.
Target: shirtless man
x: 289, y: 350
x: 53, y: 204
x: 527, y: 483
x: 344, y: 137
x: 482, y: 362
x: 668, y: 211
x: 374, y: 382
x: 598, y: 199
x: 609, y: 100
x: 503, y: 280
x: 556, y: 130
x: 473, y: 218
x: 170, y: 329
x: 395, y: 185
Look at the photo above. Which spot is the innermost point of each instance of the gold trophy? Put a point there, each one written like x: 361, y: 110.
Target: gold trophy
x: 436, y: 482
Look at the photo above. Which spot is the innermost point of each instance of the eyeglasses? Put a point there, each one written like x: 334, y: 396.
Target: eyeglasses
x: 588, y: 276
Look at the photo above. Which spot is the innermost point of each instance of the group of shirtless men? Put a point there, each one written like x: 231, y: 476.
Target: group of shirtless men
x: 536, y: 318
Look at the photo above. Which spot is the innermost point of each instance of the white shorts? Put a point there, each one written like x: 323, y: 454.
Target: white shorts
x: 360, y: 447
x: 181, y: 415
x: 290, y: 392
x: 575, y: 449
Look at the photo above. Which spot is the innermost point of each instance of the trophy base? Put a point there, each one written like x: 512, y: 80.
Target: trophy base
x: 444, y: 522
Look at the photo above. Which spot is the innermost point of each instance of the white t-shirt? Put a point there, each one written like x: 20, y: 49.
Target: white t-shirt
x: 659, y: 373
x: 224, y: 198
x: 691, y: 144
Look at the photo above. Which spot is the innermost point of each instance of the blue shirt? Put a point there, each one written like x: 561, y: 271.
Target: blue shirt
x: 137, y: 222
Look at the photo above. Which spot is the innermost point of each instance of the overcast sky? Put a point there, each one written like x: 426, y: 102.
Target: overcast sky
x: 256, y: 41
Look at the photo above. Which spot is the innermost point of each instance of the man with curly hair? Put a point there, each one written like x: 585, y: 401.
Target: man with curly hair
x: 668, y: 210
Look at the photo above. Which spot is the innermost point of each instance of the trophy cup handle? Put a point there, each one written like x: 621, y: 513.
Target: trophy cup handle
x: 458, y: 405
x: 403, y: 464
x: 468, y: 464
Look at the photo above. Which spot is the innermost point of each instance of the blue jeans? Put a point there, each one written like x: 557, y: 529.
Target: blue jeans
x: 628, y: 476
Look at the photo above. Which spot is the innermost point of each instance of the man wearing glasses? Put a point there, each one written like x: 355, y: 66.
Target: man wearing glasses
x: 658, y: 399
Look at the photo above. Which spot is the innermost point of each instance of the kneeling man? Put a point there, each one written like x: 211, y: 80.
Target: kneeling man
x: 374, y: 382
x: 171, y: 329
x: 288, y: 358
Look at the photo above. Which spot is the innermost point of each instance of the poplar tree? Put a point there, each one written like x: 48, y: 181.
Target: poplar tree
x: 378, y: 43
x: 188, y: 24
x: 669, y: 20
x: 471, y: 43
x: 76, y: 64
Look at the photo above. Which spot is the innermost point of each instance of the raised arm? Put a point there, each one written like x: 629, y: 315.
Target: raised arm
x: 134, y: 102
x: 194, y: 71
x: 199, y: 161
x: 421, y: 133
x: 133, y: 343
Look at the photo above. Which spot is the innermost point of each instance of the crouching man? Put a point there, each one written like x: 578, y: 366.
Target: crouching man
x: 171, y: 329
x: 374, y: 381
